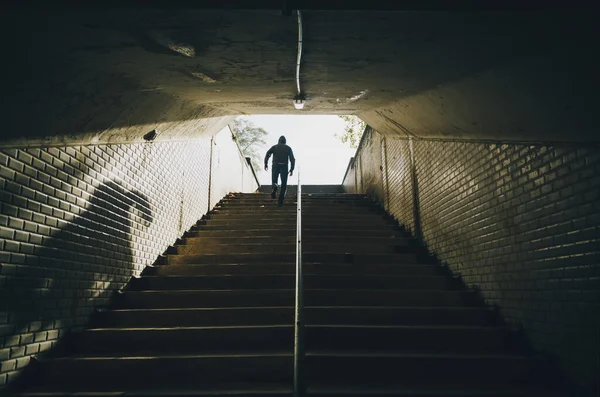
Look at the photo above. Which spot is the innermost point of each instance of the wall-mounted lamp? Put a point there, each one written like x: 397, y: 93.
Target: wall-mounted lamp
x: 149, y: 137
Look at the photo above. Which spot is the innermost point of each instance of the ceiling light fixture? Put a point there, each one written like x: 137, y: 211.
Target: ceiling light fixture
x: 299, y: 103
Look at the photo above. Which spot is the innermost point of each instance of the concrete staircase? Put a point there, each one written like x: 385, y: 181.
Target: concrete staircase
x: 216, y: 318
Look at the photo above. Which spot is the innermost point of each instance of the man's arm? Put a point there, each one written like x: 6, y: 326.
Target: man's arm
x: 292, y: 161
x: 269, y: 153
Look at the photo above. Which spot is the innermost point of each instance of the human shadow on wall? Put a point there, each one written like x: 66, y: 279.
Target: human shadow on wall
x: 77, y: 268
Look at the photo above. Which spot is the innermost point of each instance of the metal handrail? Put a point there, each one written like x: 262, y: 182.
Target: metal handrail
x: 299, y: 308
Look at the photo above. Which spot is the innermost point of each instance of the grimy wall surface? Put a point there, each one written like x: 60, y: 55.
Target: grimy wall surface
x: 521, y: 223
x: 230, y: 170
x: 77, y: 222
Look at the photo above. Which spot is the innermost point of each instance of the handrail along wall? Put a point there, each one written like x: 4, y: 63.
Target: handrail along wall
x: 299, y: 308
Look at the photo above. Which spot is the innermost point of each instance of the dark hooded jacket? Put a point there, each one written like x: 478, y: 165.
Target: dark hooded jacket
x: 281, y: 153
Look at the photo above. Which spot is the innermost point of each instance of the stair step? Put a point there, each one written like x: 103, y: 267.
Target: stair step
x: 200, y: 249
x: 358, y: 258
x: 188, y: 340
x: 376, y: 297
x: 403, y: 338
x: 323, y: 214
x: 290, y: 208
x: 307, y: 205
x: 439, y: 389
x: 204, y: 298
x: 266, y: 281
x: 385, y: 367
x: 308, y: 246
x: 291, y: 238
x: 333, y: 222
x: 253, y: 212
x: 276, y: 223
x: 287, y: 227
x: 340, y: 315
x: 272, y: 209
x: 285, y: 297
x: 201, y: 232
x: 194, y: 317
x: 254, y: 389
x: 305, y: 200
x: 211, y: 340
x: 290, y: 214
x: 165, y: 372
x: 321, y: 232
x: 305, y: 196
x: 290, y: 268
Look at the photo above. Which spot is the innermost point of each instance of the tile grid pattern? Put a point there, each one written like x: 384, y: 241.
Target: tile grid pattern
x: 77, y: 222
x: 519, y: 222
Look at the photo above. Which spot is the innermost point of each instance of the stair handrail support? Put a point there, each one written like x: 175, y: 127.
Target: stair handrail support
x: 299, y: 352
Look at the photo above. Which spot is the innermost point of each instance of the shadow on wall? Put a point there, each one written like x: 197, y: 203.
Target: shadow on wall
x: 418, y: 231
x: 77, y: 268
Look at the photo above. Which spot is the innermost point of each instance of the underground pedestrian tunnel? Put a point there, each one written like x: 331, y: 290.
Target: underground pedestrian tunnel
x: 481, y: 142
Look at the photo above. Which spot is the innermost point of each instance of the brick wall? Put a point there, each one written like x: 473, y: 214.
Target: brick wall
x: 370, y: 159
x: 349, y: 185
x: 520, y: 222
x: 364, y: 173
x: 77, y: 222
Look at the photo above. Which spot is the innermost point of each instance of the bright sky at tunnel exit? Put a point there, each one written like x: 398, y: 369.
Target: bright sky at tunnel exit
x: 321, y: 156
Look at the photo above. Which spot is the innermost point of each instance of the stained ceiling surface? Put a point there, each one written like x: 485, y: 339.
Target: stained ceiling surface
x: 101, y: 75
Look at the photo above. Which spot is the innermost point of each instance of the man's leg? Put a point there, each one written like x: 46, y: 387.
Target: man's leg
x: 284, y: 176
x: 274, y: 177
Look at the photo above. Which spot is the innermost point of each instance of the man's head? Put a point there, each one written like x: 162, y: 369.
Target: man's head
x: 282, y: 140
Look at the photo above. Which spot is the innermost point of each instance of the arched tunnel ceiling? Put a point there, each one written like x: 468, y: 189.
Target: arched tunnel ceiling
x: 112, y: 75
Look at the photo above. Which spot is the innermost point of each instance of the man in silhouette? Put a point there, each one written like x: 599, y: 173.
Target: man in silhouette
x: 281, y: 154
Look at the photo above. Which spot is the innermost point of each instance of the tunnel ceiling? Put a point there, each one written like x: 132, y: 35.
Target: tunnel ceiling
x: 113, y: 75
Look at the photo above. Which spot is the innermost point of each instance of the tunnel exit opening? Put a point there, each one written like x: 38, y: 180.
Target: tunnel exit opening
x: 315, y: 140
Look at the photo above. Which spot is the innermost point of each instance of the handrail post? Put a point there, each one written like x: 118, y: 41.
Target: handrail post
x: 299, y: 386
